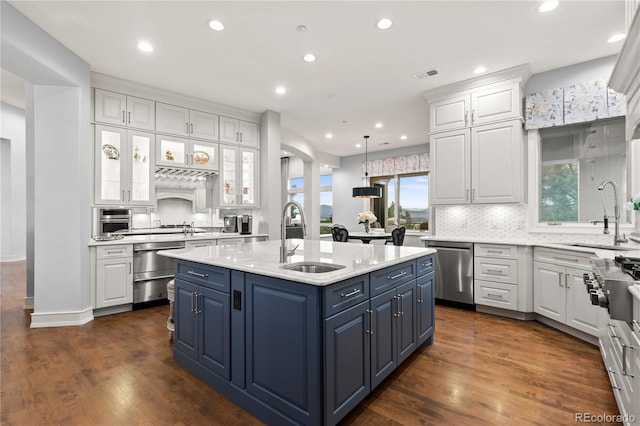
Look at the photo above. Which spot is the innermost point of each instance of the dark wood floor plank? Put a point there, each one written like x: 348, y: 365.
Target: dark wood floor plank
x: 119, y: 369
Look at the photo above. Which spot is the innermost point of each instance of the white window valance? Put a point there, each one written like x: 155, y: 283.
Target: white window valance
x: 402, y: 164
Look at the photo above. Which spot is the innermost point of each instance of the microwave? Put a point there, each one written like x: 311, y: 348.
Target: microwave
x: 108, y: 221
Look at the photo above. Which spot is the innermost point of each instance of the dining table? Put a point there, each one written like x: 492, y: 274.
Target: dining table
x: 366, y: 237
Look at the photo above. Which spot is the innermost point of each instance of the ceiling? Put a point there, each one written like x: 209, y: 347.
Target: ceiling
x: 362, y: 75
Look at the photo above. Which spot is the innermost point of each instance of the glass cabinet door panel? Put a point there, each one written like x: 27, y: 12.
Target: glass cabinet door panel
x: 228, y: 176
x: 141, y: 156
x: 171, y: 151
x: 248, y: 177
x: 111, y: 164
x: 205, y: 155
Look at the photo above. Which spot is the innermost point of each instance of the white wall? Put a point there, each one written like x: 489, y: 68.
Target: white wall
x: 14, y: 203
x: 572, y: 74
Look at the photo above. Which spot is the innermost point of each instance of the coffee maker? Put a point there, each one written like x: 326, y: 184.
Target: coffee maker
x: 245, y: 223
x: 230, y: 224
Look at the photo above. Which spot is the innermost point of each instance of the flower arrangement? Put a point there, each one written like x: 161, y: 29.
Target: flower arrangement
x: 366, y: 218
x: 169, y: 155
x: 634, y: 204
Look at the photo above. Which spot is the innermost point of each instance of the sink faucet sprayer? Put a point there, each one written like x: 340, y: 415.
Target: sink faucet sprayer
x: 616, y: 213
x: 284, y: 252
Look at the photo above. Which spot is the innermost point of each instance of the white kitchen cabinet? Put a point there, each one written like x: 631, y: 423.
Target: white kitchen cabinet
x: 124, y: 167
x: 114, y: 276
x: 172, y: 151
x: 175, y: 120
x: 119, y: 109
x: 559, y: 290
x: 239, y: 132
x: 483, y: 105
x: 238, y: 180
x: 483, y: 164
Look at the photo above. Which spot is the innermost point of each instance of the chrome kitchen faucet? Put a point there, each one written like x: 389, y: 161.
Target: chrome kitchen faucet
x: 284, y: 252
x: 616, y: 213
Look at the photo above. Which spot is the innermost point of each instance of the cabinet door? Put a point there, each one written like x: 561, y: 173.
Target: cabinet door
x: 229, y: 130
x: 141, y: 150
x: 203, y: 125
x: 248, y: 134
x: 250, y: 162
x: 549, y: 292
x: 204, y: 155
x: 496, y: 168
x: 114, y: 282
x: 407, y: 332
x: 347, y: 361
x: 141, y: 113
x: 384, y: 337
x: 214, y: 317
x: 581, y: 314
x: 186, y: 336
x: 495, y: 104
x: 172, y: 151
x: 449, y: 114
x: 110, y: 165
x: 109, y: 107
x: 172, y: 119
x: 228, y: 176
x: 425, y: 318
x: 450, y: 167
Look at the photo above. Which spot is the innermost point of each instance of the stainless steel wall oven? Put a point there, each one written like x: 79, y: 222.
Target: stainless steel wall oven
x: 108, y: 221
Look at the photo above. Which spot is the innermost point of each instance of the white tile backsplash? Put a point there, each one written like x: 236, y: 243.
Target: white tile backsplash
x: 173, y: 211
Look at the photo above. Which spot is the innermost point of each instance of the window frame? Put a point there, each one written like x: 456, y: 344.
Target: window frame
x: 397, y: 177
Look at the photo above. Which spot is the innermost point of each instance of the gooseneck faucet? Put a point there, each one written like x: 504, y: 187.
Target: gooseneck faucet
x: 616, y: 212
x: 284, y: 252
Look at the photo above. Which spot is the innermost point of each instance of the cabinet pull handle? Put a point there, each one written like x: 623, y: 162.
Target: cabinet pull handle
x: 566, y: 280
x: 624, y: 359
x: 237, y: 136
x: 614, y: 384
x: 115, y: 251
x: 401, y: 304
x: 495, y: 251
x: 370, y: 312
x: 466, y: 116
x: 351, y: 293
x: 420, y: 300
x: 191, y: 128
x: 426, y: 265
x: 495, y: 271
x: 193, y: 302
x: 130, y: 268
x: 198, y: 274
x: 401, y: 274
x: 613, y: 332
x: 560, y: 280
x: 122, y: 198
x: 473, y: 116
x: 240, y: 136
x: 565, y: 259
x: 494, y: 296
x: 129, y: 117
x: 123, y: 120
x: 397, y: 312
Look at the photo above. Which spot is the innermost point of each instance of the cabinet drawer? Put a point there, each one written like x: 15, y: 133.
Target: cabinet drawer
x: 496, y: 250
x: 108, y: 252
x: 345, y: 294
x: 391, y: 277
x: 199, y: 243
x: 501, y: 270
x: 496, y: 294
x: 426, y: 264
x: 208, y: 276
x: 563, y: 257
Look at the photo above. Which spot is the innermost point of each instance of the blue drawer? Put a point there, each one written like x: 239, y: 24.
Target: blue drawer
x: 208, y: 276
x: 426, y: 264
x: 345, y: 294
x: 391, y: 277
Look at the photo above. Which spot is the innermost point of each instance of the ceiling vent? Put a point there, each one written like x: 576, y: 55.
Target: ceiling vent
x: 425, y: 74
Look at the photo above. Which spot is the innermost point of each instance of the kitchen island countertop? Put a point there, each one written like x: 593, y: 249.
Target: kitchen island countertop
x: 263, y: 258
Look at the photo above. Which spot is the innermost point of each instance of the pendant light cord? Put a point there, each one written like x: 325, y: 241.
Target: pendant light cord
x: 366, y: 162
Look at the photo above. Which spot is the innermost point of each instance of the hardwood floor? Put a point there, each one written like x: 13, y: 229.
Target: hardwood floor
x: 119, y: 370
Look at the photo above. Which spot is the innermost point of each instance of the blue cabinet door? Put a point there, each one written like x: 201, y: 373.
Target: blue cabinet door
x: 283, y: 352
x: 347, y: 361
x: 407, y: 330
x: 186, y: 327
x: 384, y: 340
x: 214, y: 318
x: 425, y: 314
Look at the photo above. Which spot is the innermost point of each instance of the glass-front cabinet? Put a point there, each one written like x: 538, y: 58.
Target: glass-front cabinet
x: 238, y: 176
x: 124, y: 167
x: 187, y: 153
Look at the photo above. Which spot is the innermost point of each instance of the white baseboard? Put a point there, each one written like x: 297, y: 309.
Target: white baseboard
x: 61, y: 319
x: 16, y: 258
x: 28, y: 303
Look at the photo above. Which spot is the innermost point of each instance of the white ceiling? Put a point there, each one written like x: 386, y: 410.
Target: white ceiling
x: 362, y: 74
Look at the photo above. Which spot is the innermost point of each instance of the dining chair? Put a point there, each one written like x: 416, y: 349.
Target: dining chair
x: 340, y: 233
x: 397, y: 236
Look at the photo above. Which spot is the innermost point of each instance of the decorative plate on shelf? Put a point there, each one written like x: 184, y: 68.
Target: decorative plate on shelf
x: 200, y: 157
x: 111, y: 152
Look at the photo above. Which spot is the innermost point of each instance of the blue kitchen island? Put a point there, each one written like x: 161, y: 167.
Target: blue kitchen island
x: 298, y: 347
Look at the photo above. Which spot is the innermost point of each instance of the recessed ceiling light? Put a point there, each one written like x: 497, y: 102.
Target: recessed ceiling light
x: 403, y: 137
x: 329, y: 136
x: 301, y: 28
x: 281, y: 90
x: 358, y: 145
x: 384, y: 23
x: 480, y: 70
x: 309, y: 57
x: 145, y: 46
x: 547, y: 6
x: 616, y: 37
x: 216, y: 25
x: 378, y: 125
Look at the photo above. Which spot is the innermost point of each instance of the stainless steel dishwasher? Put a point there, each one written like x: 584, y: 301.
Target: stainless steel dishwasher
x: 454, y: 271
x: 152, y: 272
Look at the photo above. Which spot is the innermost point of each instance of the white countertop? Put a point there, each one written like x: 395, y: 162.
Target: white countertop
x: 263, y: 258
x: 155, y: 238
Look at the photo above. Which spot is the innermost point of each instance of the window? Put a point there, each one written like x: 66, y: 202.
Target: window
x: 574, y: 160
x: 410, y: 192
x: 296, y: 193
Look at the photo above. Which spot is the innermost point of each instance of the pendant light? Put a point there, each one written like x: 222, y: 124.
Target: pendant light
x: 367, y: 191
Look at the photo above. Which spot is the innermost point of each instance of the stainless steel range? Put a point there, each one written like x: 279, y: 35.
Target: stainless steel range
x: 609, y: 284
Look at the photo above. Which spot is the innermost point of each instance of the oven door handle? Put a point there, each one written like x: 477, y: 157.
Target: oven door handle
x: 157, y: 249
x: 156, y: 277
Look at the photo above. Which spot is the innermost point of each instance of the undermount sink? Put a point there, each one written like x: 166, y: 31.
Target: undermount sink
x: 312, y: 267
x: 598, y: 246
